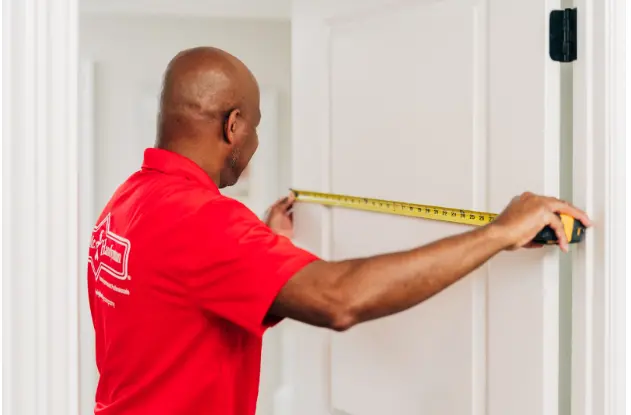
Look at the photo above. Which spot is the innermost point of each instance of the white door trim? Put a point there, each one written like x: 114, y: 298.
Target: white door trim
x: 88, y: 374
x: 279, y: 10
x: 598, y: 329
x: 40, y: 198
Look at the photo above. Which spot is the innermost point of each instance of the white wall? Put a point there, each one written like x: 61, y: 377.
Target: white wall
x: 130, y: 55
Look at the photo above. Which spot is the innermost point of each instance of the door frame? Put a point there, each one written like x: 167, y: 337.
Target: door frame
x: 88, y: 372
x: 40, y: 169
x: 599, y: 185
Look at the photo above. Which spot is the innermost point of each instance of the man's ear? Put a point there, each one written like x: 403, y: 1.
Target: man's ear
x: 230, y: 125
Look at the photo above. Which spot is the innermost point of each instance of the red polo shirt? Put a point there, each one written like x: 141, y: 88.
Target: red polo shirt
x: 180, y: 279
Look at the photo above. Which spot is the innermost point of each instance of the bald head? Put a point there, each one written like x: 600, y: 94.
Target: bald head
x: 209, y: 111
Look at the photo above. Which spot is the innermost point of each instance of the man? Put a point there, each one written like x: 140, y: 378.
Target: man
x: 183, y: 281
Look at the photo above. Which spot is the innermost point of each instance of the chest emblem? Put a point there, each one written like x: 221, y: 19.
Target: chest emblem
x: 108, y: 252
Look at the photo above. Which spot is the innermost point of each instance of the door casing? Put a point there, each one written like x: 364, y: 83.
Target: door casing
x: 599, y: 186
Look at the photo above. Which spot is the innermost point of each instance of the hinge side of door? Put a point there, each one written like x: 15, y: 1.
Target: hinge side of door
x: 563, y: 35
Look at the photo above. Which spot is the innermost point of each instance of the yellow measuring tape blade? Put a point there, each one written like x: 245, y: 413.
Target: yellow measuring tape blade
x: 440, y: 213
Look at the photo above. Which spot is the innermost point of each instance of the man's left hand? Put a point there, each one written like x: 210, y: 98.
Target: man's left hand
x: 279, y: 216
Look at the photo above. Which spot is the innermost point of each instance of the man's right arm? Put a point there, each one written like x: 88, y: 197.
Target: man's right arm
x: 341, y: 294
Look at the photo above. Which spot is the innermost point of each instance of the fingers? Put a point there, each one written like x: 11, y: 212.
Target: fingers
x: 283, y: 205
x: 557, y: 225
x: 288, y: 202
x: 291, y: 198
x: 541, y: 209
x: 561, y: 206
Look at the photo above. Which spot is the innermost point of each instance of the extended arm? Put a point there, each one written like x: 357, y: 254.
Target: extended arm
x: 341, y: 294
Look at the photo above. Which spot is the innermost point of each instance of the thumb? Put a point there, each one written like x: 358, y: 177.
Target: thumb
x: 282, y: 204
x: 286, y: 202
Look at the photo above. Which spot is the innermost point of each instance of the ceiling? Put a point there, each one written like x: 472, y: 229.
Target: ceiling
x: 254, y: 9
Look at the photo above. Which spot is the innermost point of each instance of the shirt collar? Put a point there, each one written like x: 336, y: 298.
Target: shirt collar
x: 168, y: 162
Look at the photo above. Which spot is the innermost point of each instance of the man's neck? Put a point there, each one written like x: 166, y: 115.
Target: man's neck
x: 211, y: 166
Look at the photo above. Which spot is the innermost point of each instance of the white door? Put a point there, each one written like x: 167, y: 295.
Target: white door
x: 451, y: 102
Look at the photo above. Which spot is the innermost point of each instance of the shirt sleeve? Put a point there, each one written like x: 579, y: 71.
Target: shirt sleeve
x: 239, y: 265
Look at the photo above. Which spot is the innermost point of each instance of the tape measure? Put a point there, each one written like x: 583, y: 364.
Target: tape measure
x: 574, y: 229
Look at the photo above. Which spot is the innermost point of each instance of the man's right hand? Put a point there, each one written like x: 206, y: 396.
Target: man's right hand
x: 528, y: 214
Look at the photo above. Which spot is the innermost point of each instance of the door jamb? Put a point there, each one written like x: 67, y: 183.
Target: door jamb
x: 40, y: 207
x: 598, y: 316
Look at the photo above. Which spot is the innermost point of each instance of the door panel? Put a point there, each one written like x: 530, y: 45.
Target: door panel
x: 430, y: 102
x: 423, y: 94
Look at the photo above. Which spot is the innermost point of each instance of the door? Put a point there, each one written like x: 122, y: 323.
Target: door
x: 453, y: 103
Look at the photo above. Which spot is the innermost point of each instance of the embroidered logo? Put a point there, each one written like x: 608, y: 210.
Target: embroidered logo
x: 108, y: 252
